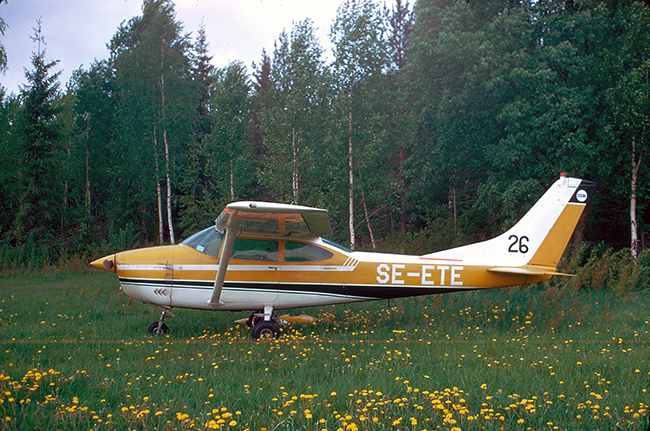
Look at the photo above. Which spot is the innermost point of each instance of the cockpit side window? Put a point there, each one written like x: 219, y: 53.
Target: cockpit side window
x: 299, y: 252
x: 207, y: 241
x: 255, y: 249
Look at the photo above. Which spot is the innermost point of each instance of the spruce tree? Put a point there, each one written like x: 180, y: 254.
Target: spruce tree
x: 39, y: 133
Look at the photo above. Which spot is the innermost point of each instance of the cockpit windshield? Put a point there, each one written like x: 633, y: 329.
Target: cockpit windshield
x: 207, y: 241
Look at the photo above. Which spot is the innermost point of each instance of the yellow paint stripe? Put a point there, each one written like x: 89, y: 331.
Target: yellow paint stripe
x: 550, y: 251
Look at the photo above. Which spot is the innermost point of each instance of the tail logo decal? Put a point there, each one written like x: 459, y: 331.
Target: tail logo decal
x: 581, y: 195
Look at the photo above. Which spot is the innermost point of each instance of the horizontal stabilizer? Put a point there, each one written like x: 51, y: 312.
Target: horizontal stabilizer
x: 285, y: 319
x: 528, y: 271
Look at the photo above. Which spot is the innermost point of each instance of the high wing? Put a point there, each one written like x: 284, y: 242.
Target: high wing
x: 266, y: 220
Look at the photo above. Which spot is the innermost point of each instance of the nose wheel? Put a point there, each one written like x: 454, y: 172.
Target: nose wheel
x: 159, y: 327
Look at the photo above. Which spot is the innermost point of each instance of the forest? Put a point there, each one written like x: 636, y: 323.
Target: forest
x: 429, y: 126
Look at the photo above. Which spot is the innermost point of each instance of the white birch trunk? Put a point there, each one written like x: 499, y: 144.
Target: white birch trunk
x: 158, y: 189
x: 294, y: 174
x: 170, y: 223
x: 634, y: 239
x: 232, y: 180
x: 351, y: 180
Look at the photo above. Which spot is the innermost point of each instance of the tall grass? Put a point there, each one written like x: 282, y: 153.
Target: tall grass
x: 75, y: 354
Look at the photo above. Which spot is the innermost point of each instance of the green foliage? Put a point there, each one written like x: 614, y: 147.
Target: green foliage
x: 604, y: 267
x: 30, y: 254
x: 38, y: 146
x: 451, y: 125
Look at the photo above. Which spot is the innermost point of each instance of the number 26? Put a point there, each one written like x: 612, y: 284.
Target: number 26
x: 519, y: 244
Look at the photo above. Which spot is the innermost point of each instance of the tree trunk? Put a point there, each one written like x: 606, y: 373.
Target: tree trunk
x: 365, y: 211
x: 169, y: 190
x: 158, y: 189
x: 402, y: 197
x: 452, y: 201
x: 294, y: 174
x: 170, y: 223
x: 87, y: 197
x: 351, y: 179
x: 634, y: 240
x: 232, y: 180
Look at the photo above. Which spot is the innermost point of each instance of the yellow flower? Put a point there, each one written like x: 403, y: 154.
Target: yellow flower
x: 520, y: 421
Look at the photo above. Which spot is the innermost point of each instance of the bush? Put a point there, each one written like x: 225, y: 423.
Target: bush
x: 604, y: 267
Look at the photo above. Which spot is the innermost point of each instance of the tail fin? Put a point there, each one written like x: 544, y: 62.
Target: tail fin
x: 536, y: 243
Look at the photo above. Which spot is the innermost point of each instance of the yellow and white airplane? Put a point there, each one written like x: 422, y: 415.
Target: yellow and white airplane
x: 268, y: 256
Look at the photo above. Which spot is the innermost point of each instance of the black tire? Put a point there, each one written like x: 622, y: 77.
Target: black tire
x: 266, y: 329
x: 153, y: 329
x: 254, y: 319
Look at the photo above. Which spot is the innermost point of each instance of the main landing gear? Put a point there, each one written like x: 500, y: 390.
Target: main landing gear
x: 264, y: 324
x: 159, y: 327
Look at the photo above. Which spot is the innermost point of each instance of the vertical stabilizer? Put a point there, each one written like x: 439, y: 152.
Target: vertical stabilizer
x: 539, y: 238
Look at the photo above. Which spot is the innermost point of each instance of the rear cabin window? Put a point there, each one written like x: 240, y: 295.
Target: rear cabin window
x: 255, y: 249
x: 299, y: 252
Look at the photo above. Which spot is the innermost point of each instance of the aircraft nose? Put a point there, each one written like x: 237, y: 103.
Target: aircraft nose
x: 106, y: 263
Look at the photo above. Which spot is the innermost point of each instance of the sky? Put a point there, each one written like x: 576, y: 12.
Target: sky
x: 77, y: 32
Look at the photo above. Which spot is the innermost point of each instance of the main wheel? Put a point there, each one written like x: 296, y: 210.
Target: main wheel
x: 266, y: 329
x: 153, y: 329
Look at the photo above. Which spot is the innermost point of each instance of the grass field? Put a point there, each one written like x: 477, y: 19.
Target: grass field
x: 75, y: 354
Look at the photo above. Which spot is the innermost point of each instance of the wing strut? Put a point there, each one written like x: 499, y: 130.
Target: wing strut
x: 226, y: 251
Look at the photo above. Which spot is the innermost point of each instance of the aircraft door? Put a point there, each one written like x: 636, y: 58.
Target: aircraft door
x: 163, y: 292
x: 253, y: 272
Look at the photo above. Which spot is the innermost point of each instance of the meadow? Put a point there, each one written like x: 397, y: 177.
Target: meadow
x: 75, y: 355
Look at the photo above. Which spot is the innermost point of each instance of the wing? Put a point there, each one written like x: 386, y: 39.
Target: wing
x: 275, y: 220
x: 267, y: 220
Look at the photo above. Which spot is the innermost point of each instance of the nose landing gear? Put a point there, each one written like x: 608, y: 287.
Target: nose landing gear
x: 159, y: 327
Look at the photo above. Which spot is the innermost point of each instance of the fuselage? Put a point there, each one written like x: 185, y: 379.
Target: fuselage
x: 291, y: 274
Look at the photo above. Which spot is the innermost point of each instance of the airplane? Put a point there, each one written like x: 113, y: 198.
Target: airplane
x: 263, y: 257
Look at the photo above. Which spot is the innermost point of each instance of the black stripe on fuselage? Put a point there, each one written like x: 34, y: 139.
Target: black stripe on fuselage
x: 359, y: 291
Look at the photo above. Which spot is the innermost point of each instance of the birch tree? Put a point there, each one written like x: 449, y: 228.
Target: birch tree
x: 360, y: 53
x: 150, y: 56
x: 294, y: 121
